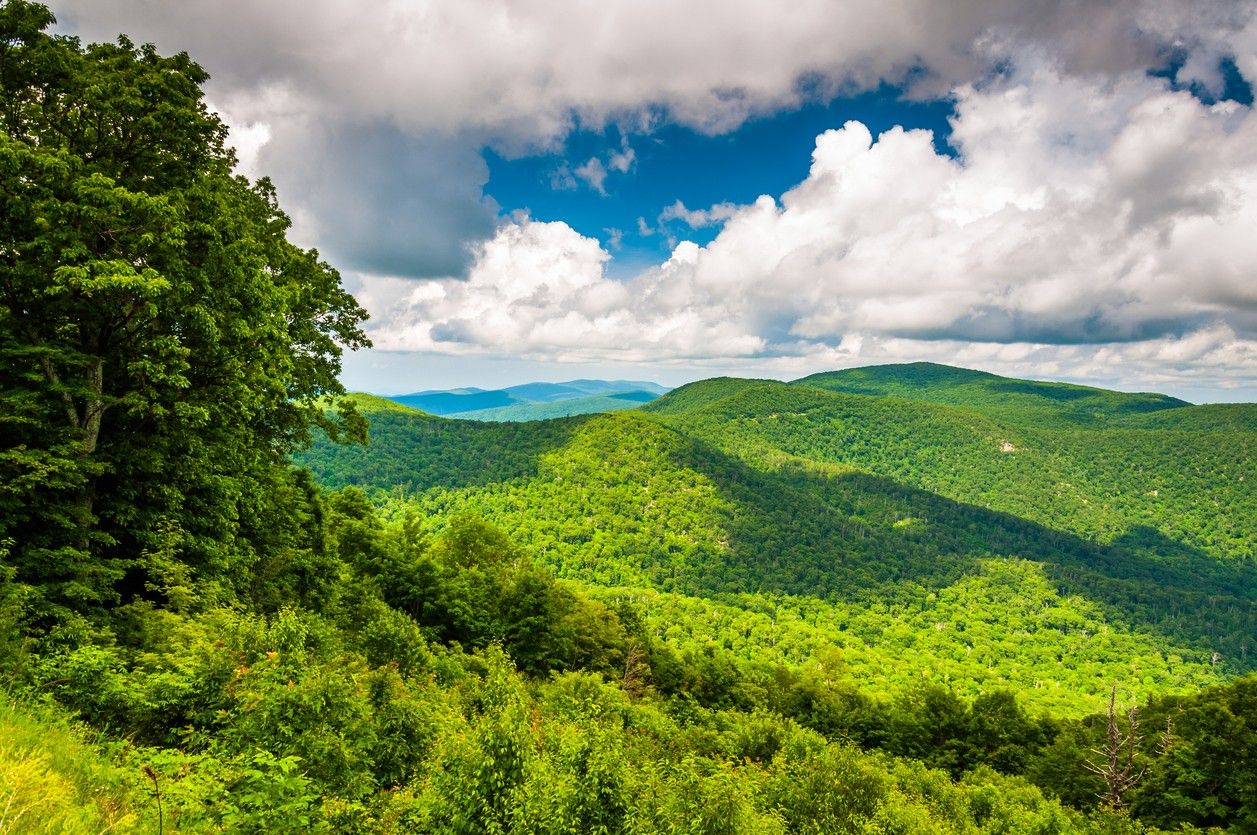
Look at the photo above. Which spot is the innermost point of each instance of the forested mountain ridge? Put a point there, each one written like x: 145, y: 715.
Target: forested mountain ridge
x: 982, y: 391
x: 754, y: 523
x: 741, y: 487
x: 760, y: 608
x: 1181, y: 471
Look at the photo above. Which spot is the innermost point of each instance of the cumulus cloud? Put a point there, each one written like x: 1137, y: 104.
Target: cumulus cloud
x: 1094, y: 217
x: 540, y: 289
x: 410, y: 217
x: 698, y: 218
x: 457, y: 76
x: 1082, y: 211
x: 526, y: 67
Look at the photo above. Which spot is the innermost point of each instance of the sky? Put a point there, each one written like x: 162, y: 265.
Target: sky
x: 672, y: 190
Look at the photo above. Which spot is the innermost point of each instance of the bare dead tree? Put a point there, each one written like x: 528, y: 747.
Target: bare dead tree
x: 1165, y: 740
x: 1115, y: 761
x: 636, y: 671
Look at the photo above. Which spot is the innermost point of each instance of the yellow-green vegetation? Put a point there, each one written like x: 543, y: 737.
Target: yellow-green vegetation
x: 52, y: 779
x: 768, y: 497
x: 946, y: 602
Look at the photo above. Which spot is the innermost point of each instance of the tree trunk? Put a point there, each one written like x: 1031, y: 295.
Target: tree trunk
x: 94, y: 408
x: 87, y: 421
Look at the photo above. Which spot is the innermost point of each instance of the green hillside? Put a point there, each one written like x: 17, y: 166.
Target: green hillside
x: 870, y: 513
x: 236, y: 599
x: 1183, y: 484
x: 413, y: 450
x: 989, y: 393
x: 1215, y: 417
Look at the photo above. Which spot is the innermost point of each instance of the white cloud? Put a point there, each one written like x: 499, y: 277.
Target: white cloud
x: 524, y: 68
x: 698, y: 218
x: 1094, y: 218
x: 248, y: 140
x: 594, y: 174
x: 1088, y: 221
x: 540, y: 289
x: 623, y: 159
x: 519, y: 76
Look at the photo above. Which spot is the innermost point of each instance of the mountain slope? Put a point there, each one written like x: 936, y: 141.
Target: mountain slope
x: 991, y: 394
x: 843, y: 509
x: 410, y: 449
x: 1187, y: 484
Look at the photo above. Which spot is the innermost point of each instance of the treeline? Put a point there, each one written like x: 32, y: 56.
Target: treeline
x: 624, y: 501
x: 449, y: 684
x: 195, y: 637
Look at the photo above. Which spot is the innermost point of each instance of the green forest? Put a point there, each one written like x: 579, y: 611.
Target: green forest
x: 236, y: 598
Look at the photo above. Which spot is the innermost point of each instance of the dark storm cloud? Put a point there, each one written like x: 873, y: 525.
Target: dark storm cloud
x: 381, y: 201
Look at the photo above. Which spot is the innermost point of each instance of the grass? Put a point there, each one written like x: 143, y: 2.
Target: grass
x: 52, y: 779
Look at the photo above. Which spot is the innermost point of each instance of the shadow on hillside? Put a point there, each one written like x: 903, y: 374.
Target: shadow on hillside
x: 863, y: 538
x: 418, y: 452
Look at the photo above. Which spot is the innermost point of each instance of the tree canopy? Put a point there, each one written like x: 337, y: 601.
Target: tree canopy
x: 163, y: 346
x: 751, y: 607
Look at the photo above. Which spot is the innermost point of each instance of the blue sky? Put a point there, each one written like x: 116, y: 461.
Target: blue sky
x: 766, y: 155
x: 477, y: 171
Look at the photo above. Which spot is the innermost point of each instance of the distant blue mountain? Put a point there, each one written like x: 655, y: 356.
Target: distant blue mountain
x: 543, y: 392
x: 611, y: 386
x: 636, y: 396
x: 454, y: 402
x: 467, y: 390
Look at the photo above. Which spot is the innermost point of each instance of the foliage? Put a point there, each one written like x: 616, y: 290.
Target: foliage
x: 53, y: 779
x: 751, y: 607
x: 410, y: 450
x: 905, y: 580
x: 163, y: 344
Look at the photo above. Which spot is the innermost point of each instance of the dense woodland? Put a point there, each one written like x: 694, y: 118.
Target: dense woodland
x: 234, y: 598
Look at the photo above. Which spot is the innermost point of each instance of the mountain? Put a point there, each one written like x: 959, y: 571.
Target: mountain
x: 958, y: 604
x: 511, y: 404
x: 939, y: 532
x: 1129, y: 471
x: 749, y: 606
x: 562, y: 408
x: 989, y: 393
x: 452, y: 402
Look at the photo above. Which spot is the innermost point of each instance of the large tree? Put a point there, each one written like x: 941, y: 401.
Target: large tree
x: 163, y: 346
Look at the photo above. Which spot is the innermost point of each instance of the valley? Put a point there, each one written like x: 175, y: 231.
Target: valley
x: 891, y: 525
